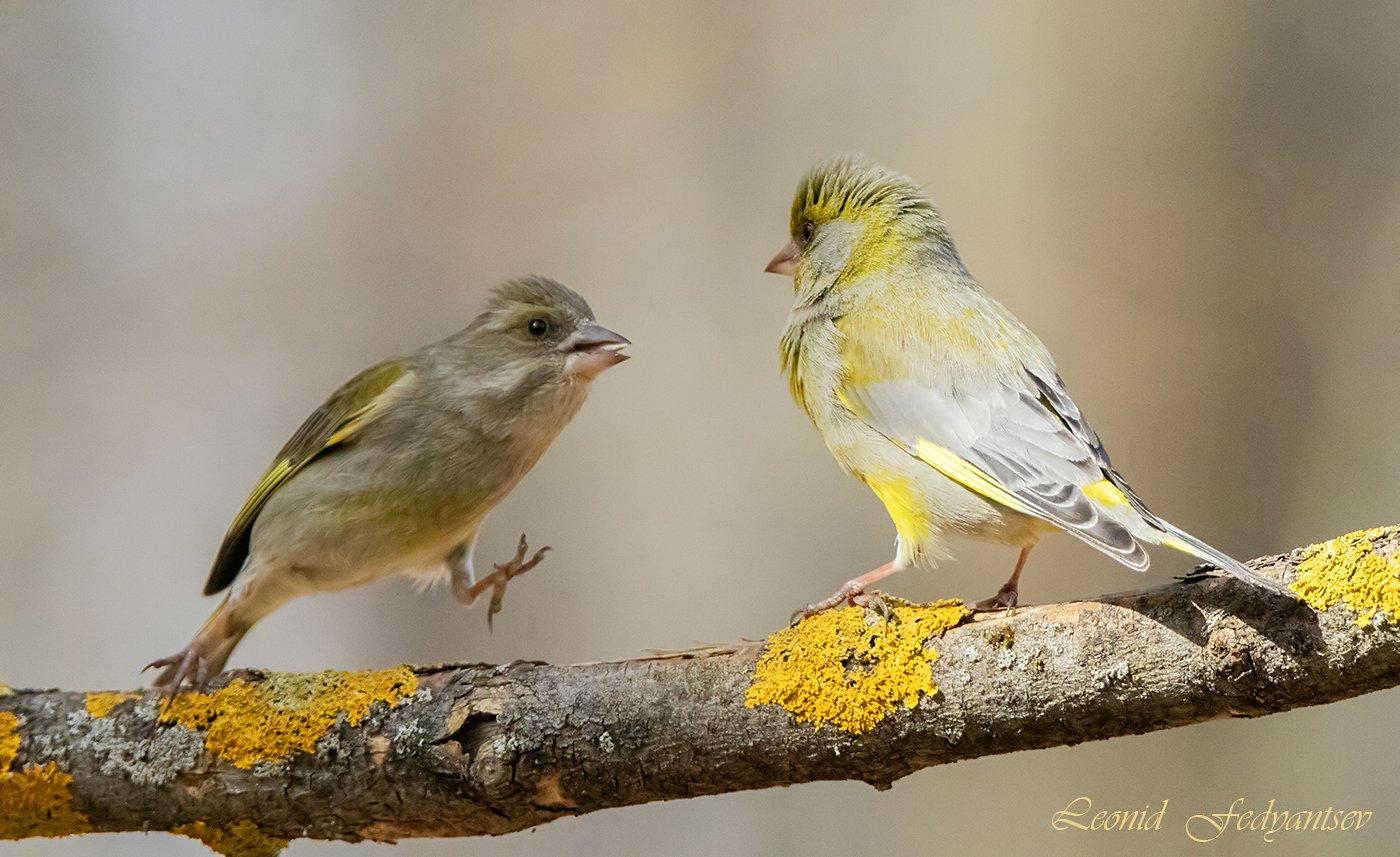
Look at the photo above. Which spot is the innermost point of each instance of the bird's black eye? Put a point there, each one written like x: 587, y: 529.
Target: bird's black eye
x: 537, y: 327
x: 806, y: 231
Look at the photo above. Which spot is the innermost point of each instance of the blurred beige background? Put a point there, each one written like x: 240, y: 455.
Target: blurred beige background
x: 212, y: 214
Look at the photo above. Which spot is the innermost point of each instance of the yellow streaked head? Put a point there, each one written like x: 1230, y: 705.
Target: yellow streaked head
x: 852, y: 218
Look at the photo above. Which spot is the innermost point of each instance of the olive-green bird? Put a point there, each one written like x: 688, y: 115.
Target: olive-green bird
x: 930, y: 392
x: 397, y: 470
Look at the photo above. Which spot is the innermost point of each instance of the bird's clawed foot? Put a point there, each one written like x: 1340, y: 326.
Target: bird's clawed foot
x: 1005, y: 599
x: 505, y: 572
x: 852, y: 593
x: 188, y: 667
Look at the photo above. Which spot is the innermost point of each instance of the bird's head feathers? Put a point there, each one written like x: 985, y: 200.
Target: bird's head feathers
x: 529, y: 316
x: 535, y: 320
x: 534, y: 336
x: 852, y: 218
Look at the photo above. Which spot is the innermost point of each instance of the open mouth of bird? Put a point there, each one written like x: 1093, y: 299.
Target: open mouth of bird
x: 593, y: 349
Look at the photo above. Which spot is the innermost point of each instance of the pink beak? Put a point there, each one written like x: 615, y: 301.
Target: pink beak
x: 785, y: 262
x: 592, y: 349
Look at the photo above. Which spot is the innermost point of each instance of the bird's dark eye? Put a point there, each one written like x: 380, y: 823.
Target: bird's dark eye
x: 537, y: 327
x: 806, y: 231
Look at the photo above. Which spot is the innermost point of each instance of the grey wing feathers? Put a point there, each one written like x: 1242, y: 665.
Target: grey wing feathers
x: 1052, y: 390
x: 1016, y: 435
x: 1046, y: 463
x: 1030, y: 438
x: 1224, y: 561
x: 1056, y: 398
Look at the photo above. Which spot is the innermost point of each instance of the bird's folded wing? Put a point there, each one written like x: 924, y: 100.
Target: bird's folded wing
x: 1019, y: 442
x: 349, y: 409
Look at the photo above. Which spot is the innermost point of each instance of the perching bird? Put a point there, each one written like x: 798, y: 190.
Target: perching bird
x: 395, y: 472
x: 933, y: 394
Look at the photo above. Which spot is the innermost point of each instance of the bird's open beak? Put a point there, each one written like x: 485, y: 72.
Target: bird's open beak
x: 785, y: 262
x: 592, y: 349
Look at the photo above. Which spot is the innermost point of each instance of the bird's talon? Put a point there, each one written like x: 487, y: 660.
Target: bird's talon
x: 851, y: 594
x: 508, y: 571
x: 802, y: 613
x: 186, y: 669
x: 498, y: 597
x: 874, y: 600
x: 1005, y: 599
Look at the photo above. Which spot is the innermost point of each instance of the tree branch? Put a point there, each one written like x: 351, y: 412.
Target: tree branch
x: 467, y: 749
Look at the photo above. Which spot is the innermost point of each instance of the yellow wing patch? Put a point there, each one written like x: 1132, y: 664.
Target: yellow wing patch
x: 1105, y: 493
x: 355, y: 422
x: 274, y: 477
x: 1178, y: 544
x: 968, y: 475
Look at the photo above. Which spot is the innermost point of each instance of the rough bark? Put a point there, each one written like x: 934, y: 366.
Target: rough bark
x: 481, y: 749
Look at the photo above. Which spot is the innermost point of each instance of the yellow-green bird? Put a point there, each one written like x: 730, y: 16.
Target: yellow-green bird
x: 932, y: 393
x: 397, y: 470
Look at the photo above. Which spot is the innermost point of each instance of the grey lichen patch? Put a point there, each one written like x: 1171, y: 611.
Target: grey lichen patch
x: 949, y: 724
x: 605, y: 742
x: 1019, y: 658
x: 145, y: 761
x: 1117, y: 674
x: 503, y: 746
x: 49, y: 747
x: 410, y: 737
x: 331, y: 747
x: 526, y: 732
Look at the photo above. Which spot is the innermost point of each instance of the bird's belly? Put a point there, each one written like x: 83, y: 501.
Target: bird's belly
x: 926, y: 506
x: 339, y: 536
x: 970, y: 514
x: 352, y: 553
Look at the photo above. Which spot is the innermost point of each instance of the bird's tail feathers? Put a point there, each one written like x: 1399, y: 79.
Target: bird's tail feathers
x: 1187, y: 543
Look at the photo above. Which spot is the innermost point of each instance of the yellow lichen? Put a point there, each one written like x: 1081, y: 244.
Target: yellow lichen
x: 5, y: 690
x: 250, y: 722
x: 849, y: 667
x: 9, y: 740
x: 37, y: 801
x: 240, y: 839
x: 1348, y: 569
x: 101, y: 703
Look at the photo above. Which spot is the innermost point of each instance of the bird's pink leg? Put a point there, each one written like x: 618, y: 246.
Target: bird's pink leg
x: 1007, y: 596
x: 496, y: 581
x: 205, y: 655
x: 853, y: 592
x: 249, y: 601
